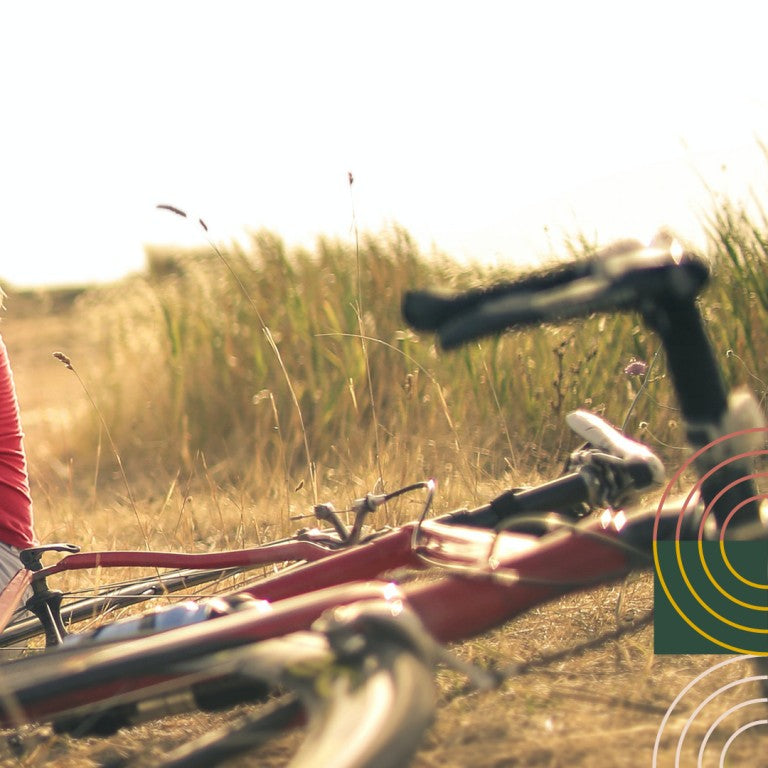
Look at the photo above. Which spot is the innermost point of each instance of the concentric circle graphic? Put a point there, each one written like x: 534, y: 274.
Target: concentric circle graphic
x: 718, y: 588
x: 714, y: 715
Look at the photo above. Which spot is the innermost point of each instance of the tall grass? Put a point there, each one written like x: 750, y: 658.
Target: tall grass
x: 738, y: 304
x: 188, y: 380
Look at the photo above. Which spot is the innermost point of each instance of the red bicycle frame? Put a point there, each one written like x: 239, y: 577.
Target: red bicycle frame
x: 498, y: 577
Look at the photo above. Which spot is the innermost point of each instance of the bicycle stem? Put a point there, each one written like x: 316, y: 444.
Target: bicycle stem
x: 705, y: 405
x: 695, y: 373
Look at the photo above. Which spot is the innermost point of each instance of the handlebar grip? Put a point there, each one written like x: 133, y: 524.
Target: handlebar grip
x: 567, y: 491
x: 564, y: 492
x: 427, y: 310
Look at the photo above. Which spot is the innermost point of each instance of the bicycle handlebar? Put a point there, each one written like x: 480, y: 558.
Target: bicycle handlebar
x: 613, y: 471
x: 624, y: 277
x: 660, y: 283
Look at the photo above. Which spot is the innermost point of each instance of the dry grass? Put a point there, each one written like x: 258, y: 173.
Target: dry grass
x: 150, y: 359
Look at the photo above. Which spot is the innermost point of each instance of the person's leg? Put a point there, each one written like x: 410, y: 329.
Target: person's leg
x: 9, y: 563
x: 16, y: 522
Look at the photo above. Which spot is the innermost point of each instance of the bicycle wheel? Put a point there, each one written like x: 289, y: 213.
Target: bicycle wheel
x: 363, y: 677
x: 377, y: 722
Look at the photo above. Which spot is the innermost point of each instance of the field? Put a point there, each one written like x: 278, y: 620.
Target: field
x: 222, y: 393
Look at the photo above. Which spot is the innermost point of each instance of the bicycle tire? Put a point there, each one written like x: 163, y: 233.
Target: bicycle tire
x: 377, y: 724
x: 364, y: 678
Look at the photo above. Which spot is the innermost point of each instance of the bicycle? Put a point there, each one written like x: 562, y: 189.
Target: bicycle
x: 522, y: 549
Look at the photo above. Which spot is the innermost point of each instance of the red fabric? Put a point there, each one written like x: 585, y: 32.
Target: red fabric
x: 15, y: 500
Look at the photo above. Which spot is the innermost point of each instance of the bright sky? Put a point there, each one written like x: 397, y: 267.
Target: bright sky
x: 476, y: 125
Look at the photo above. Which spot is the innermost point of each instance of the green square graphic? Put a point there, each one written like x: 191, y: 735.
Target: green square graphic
x: 710, y: 598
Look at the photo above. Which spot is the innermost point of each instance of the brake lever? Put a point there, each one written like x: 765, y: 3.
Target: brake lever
x: 610, y: 441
